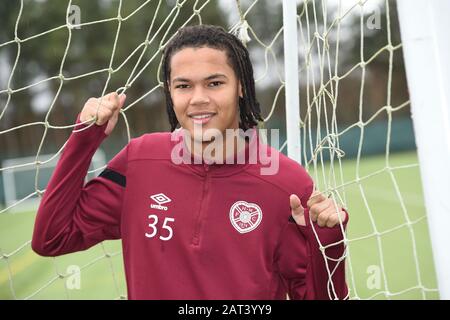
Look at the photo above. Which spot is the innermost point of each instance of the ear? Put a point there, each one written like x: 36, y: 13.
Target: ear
x: 241, y: 95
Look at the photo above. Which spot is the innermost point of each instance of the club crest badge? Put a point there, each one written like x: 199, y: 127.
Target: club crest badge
x: 245, y: 216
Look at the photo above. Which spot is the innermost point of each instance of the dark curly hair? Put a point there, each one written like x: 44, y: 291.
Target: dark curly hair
x: 238, y: 57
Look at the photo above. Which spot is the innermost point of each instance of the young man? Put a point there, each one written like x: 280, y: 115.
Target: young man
x: 209, y: 228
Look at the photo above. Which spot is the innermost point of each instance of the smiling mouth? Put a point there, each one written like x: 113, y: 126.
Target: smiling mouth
x: 202, y: 118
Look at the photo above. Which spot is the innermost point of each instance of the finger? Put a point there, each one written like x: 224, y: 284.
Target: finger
x: 329, y: 217
x: 336, y: 218
x: 297, y: 210
x: 296, y: 205
x: 103, y: 115
x: 315, y: 197
x: 97, y: 109
x: 110, y: 101
x: 112, y: 122
x: 340, y: 216
x: 115, y: 115
x: 333, y: 219
x: 116, y: 100
x: 89, y: 111
x: 318, y: 208
x: 122, y: 99
x: 323, y: 217
x: 87, y: 115
x: 104, y: 106
x: 112, y: 97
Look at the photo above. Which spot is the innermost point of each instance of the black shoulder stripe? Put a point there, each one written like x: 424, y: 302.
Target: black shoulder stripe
x: 114, y: 176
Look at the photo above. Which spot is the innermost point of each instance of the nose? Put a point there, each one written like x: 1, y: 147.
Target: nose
x: 199, y: 96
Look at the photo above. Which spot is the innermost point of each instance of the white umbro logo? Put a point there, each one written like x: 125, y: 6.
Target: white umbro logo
x: 160, y: 199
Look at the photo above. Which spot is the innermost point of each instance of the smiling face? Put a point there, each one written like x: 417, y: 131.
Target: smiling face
x: 204, y: 90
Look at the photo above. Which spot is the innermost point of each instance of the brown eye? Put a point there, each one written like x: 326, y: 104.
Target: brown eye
x: 215, y: 83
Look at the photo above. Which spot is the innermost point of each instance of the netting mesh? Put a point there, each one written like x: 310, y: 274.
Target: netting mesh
x: 321, y: 52
x: 329, y: 69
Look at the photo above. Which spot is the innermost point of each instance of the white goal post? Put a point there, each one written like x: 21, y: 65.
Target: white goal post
x: 291, y: 76
x: 424, y: 29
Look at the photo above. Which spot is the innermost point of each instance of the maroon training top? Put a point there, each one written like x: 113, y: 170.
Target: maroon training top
x: 190, y: 231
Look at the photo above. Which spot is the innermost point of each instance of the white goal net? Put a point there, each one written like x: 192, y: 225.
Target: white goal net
x: 355, y: 129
